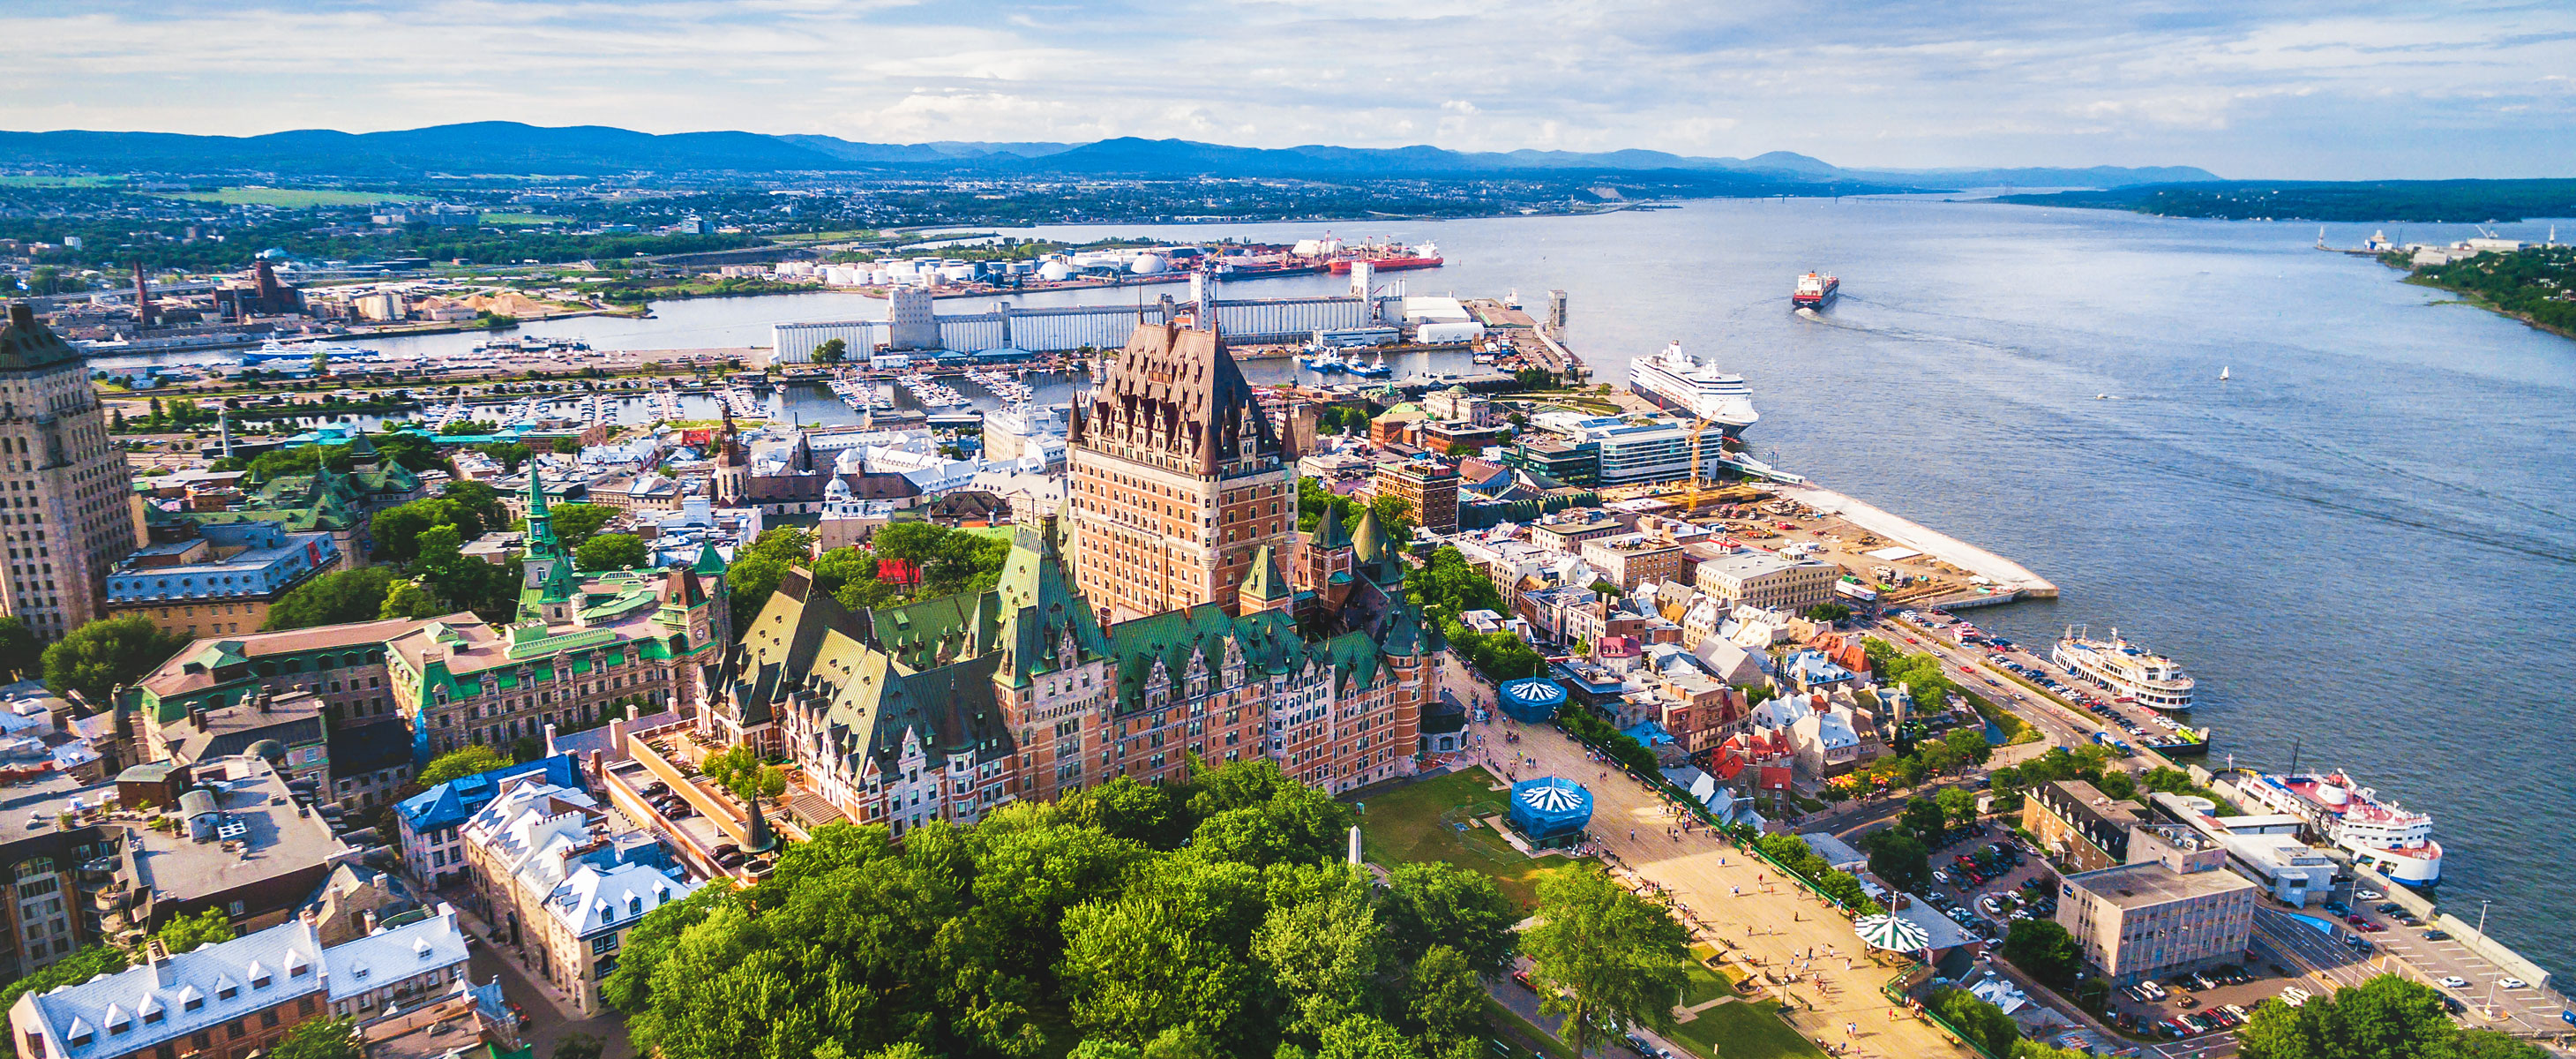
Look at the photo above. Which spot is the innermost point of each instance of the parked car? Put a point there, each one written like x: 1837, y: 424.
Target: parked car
x: 2367, y: 895
x: 2513, y: 983
x: 2437, y: 935
x: 2455, y: 982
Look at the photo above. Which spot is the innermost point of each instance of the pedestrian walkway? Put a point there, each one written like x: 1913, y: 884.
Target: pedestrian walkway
x: 1773, y: 930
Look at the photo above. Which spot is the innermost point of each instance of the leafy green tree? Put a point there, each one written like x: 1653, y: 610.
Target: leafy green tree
x: 742, y: 772
x: 2387, y: 1017
x: 335, y: 598
x: 397, y: 529
x: 1981, y: 1021
x: 2117, y: 786
x: 1971, y: 745
x: 1364, y: 1037
x: 1958, y: 805
x: 321, y: 1039
x: 1828, y: 612
x: 302, y: 459
x: 1925, y: 820
x: 611, y: 551
x: 575, y: 523
x: 1136, y: 966
x: 460, y: 763
x: 1432, y: 905
x: 1445, y: 999
x: 511, y: 454
x: 2044, y: 950
x: 758, y: 567
x: 469, y: 428
x: 1899, y: 859
x: 408, y: 598
x: 1325, y: 956
x: 21, y: 654
x: 187, y: 933
x: 410, y: 450
x: 832, y: 351
x: 81, y: 965
x: 1605, y: 959
x: 100, y: 655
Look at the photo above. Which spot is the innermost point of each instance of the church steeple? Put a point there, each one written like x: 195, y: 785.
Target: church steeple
x: 541, y: 523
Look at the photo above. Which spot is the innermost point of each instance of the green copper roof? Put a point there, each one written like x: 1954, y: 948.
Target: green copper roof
x: 1264, y: 583
x: 1368, y: 542
x: 26, y: 344
x: 710, y: 563
x: 1328, y: 533
x: 541, y: 526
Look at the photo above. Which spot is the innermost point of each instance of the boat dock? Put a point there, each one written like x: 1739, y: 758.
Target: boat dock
x: 2003, y: 579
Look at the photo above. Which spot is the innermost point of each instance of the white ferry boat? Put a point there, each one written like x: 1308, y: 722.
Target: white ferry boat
x: 2131, y: 672
x: 274, y: 350
x: 2380, y: 834
x: 1676, y: 380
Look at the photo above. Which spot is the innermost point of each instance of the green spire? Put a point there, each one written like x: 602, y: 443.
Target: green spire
x: 541, y: 523
x: 1369, y: 540
x: 710, y: 562
x: 759, y: 838
x: 1328, y: 533
x: 1264, y: 583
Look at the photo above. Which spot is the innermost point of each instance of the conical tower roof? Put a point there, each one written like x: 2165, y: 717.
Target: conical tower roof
x: 1329, y: 533
x: 1264, y: 584
x: 1369, y: 541
x: 541, y: 522
x: 710, y: 562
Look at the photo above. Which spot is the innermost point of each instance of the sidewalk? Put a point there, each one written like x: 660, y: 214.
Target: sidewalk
x: 484, y: 938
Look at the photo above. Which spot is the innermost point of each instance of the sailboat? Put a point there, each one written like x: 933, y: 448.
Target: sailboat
x: 2222, y: 374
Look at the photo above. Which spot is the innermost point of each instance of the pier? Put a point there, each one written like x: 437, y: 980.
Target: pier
x: 1063, y: 328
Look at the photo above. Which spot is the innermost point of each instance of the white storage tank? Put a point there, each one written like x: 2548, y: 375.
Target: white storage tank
x: 1055, y: 271
x: 1149, y: 265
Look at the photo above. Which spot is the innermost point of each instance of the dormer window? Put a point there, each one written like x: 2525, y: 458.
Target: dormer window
x: 259, y: 976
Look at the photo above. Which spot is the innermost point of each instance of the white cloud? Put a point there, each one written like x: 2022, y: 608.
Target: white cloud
x: 1874, y: 83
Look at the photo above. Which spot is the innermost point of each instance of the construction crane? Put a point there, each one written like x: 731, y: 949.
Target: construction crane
x: 1690, y: 506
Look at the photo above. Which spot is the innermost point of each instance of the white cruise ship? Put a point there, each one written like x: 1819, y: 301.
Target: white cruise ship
x: 1678, y: 381
x: 2381, y: 835
x: 2131, y: 672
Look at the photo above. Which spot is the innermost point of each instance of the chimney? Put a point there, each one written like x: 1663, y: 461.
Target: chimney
x: 142, y: 299
x: 158, y: 955
x: 22, y: 314
x: 197, y: 716
x: 367, y: 920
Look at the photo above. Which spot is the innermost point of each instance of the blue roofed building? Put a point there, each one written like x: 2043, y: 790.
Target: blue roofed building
x: 1812, y: 671
x: 221, y: 579
x: 431, y: 821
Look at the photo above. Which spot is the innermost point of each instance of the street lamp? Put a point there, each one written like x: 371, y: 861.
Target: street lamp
x: 2482, y: 933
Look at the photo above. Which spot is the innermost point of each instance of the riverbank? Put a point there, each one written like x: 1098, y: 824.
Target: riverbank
x: 2006, y: 580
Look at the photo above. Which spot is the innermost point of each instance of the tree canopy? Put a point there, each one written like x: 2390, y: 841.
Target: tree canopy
x: 612, y: 551
x: 2388, y: 1017
x: 335, y: 598
x: 21, y: 654
x: 1121, y: 922
x: 2045, y: 951
x: 100, y: 655
x: 1605, y: 958
x: 461, y: 762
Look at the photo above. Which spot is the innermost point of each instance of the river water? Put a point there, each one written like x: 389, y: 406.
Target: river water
x: 2360, y: 545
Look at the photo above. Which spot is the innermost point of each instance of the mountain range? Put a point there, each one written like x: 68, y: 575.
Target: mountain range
x: 503, y: 147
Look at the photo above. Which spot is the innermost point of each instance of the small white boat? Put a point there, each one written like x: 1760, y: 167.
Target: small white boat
x: 2222, y: 374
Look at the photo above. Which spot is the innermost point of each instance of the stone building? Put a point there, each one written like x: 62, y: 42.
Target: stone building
x: 581, y: 644
x: 1177, y: 480
x: 71, y: 508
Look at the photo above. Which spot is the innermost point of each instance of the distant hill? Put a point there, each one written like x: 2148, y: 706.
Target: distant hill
x: 513, y: 147
x: 2394, y: 201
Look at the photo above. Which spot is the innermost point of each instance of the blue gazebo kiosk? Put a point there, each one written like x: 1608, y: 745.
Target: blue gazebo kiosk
x: 1551, y: 811
x: 1533, y: 700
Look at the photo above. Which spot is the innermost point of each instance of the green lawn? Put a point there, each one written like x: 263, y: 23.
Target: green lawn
x: 22, y: 181
x: 1415, y: 823
x: 1702, y: 984
x: 522, y: 218
x: 1742, y: 1031
x: 292, y: 198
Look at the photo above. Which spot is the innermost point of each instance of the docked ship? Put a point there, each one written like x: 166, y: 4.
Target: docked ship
x: 274, y: 350
x: 1386, y: 257
x: 2131, y: 672
x: 1815, y: 292
x: 2381, y: 835
x: 1678, y: 381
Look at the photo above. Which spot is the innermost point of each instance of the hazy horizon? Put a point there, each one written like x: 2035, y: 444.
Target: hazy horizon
x: 2286, y: 91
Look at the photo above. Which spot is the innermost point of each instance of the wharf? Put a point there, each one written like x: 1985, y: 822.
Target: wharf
x: 2008, y: 580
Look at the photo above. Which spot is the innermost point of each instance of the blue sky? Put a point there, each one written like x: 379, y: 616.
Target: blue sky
x: 2249, y: 89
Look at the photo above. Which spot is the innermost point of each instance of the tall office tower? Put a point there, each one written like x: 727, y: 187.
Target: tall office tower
x: 66, y: 502
x: 1177, y: 477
